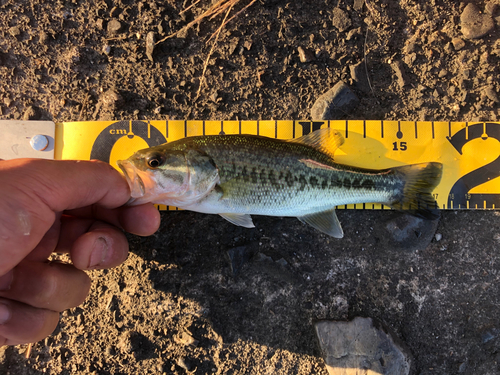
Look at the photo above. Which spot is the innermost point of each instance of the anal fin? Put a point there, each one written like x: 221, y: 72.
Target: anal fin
x: 242, y: 220
x: 324, y: 221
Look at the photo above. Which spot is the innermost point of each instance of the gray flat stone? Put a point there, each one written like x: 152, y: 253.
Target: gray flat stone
x: 361, y: 347
x: 475, y: 24
x: 335, y: 103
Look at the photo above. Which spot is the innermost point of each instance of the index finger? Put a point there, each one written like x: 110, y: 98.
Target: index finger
x: 33, y: 190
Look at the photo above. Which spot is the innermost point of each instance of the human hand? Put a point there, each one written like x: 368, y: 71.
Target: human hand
x: 47, y: 206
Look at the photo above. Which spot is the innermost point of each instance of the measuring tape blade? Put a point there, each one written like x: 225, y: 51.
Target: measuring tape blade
x: 469, y: 152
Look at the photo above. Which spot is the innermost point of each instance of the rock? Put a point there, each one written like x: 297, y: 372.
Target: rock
x: 30, y: 113
x: 335, y: 103
x: 491, y: 8
x: 114, y: 26
x: 361, y: 347
x: 150, y: 45
x: 458, y: 43
x: 358, y: 75
x: 358, y: 4
x: 185, y: 338
x: 238, y: 257
x: 491, y: 94
x: 100, y: 23
x: 409, y: 232
x: 306, y: 55
x: 15, y: 31
x: 341, y: 20
x: 475, y: 24
x: 398, y: 68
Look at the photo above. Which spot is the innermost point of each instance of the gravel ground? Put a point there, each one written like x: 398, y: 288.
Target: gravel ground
x: 179, y: 304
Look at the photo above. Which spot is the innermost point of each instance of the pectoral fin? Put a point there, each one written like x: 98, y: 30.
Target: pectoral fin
x: 325, y: 221
x: 241, y: 220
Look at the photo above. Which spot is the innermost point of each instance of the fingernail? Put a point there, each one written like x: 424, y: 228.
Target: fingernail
x: 99, y: 252
x: 4, y: 313
x: 6, y: 280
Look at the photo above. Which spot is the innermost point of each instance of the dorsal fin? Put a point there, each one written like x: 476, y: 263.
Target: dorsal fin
x: 326, y: 140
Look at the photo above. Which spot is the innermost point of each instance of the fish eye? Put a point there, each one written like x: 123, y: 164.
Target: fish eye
x: 156, y: 160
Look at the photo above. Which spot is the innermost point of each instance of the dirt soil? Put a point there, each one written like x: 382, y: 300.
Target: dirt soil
x: 180, y: 304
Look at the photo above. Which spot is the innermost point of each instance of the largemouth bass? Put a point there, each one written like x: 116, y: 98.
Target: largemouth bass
x: 236, y: 176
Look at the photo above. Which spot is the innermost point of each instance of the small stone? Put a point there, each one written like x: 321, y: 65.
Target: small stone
x: 185, y: 338
x: 474, y: 24
x: 491, y: 8
x: 491, y: 94
x: 15, y: 31
x: 361, y: 345
x: 358, y: 4
x: 438, y: 237
x: 458, y: 43
x: 341, y: 20
x: 100, y: 24
x: 114, y: 26
x: 335, y: 103
x: 106, y: 49
x: 306, y: 55
x: 238, y: 257
x: 353, y: 33
x: 409, y: 232
x: 30, y: 113
x: 150, y: 45
x: 358, y: 75
x: 442, y: 73
x: 398, y: 68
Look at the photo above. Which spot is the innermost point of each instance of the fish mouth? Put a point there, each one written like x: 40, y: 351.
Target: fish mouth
x: 135, y: 183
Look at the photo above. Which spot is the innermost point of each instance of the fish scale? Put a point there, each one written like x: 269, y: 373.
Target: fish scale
x: 236, y: 176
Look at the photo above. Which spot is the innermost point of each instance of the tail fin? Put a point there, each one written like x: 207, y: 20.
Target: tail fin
x: 416, y: 198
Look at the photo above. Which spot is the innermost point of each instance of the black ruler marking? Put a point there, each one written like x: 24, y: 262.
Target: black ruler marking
x: 346, y: 129
x: 275, y: 129
x: 432, y: 127
x: 416, y: 132
x: 381, y: 129
x: 203, y: 127
x: 364, y: 128
x: 185, y: 128
x: 239, y: 123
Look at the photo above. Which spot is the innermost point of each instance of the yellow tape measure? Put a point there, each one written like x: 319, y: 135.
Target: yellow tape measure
x: 469, y: 152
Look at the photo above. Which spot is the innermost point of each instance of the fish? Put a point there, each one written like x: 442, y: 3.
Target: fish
x: 237, y: 176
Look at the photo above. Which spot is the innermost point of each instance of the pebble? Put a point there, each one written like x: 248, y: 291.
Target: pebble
x: 442, y: 73
x: 409, y: 232
x: 15, y: 31
x: 490, y: 92
x: 438, y: 236
x: 358, y: 75
x: 341, y: 20
x: 238, y: 257
x: 150, y: 45
x: 475, y: 24
x: 358, y: 4
x: 106, y: 49
x: 361, y: 346
x: 458, y: 43
x: 114, y: 26
x: 30, y: 113
x: 306, y: 55
x: 398, y: 68
x: 335, y: 103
